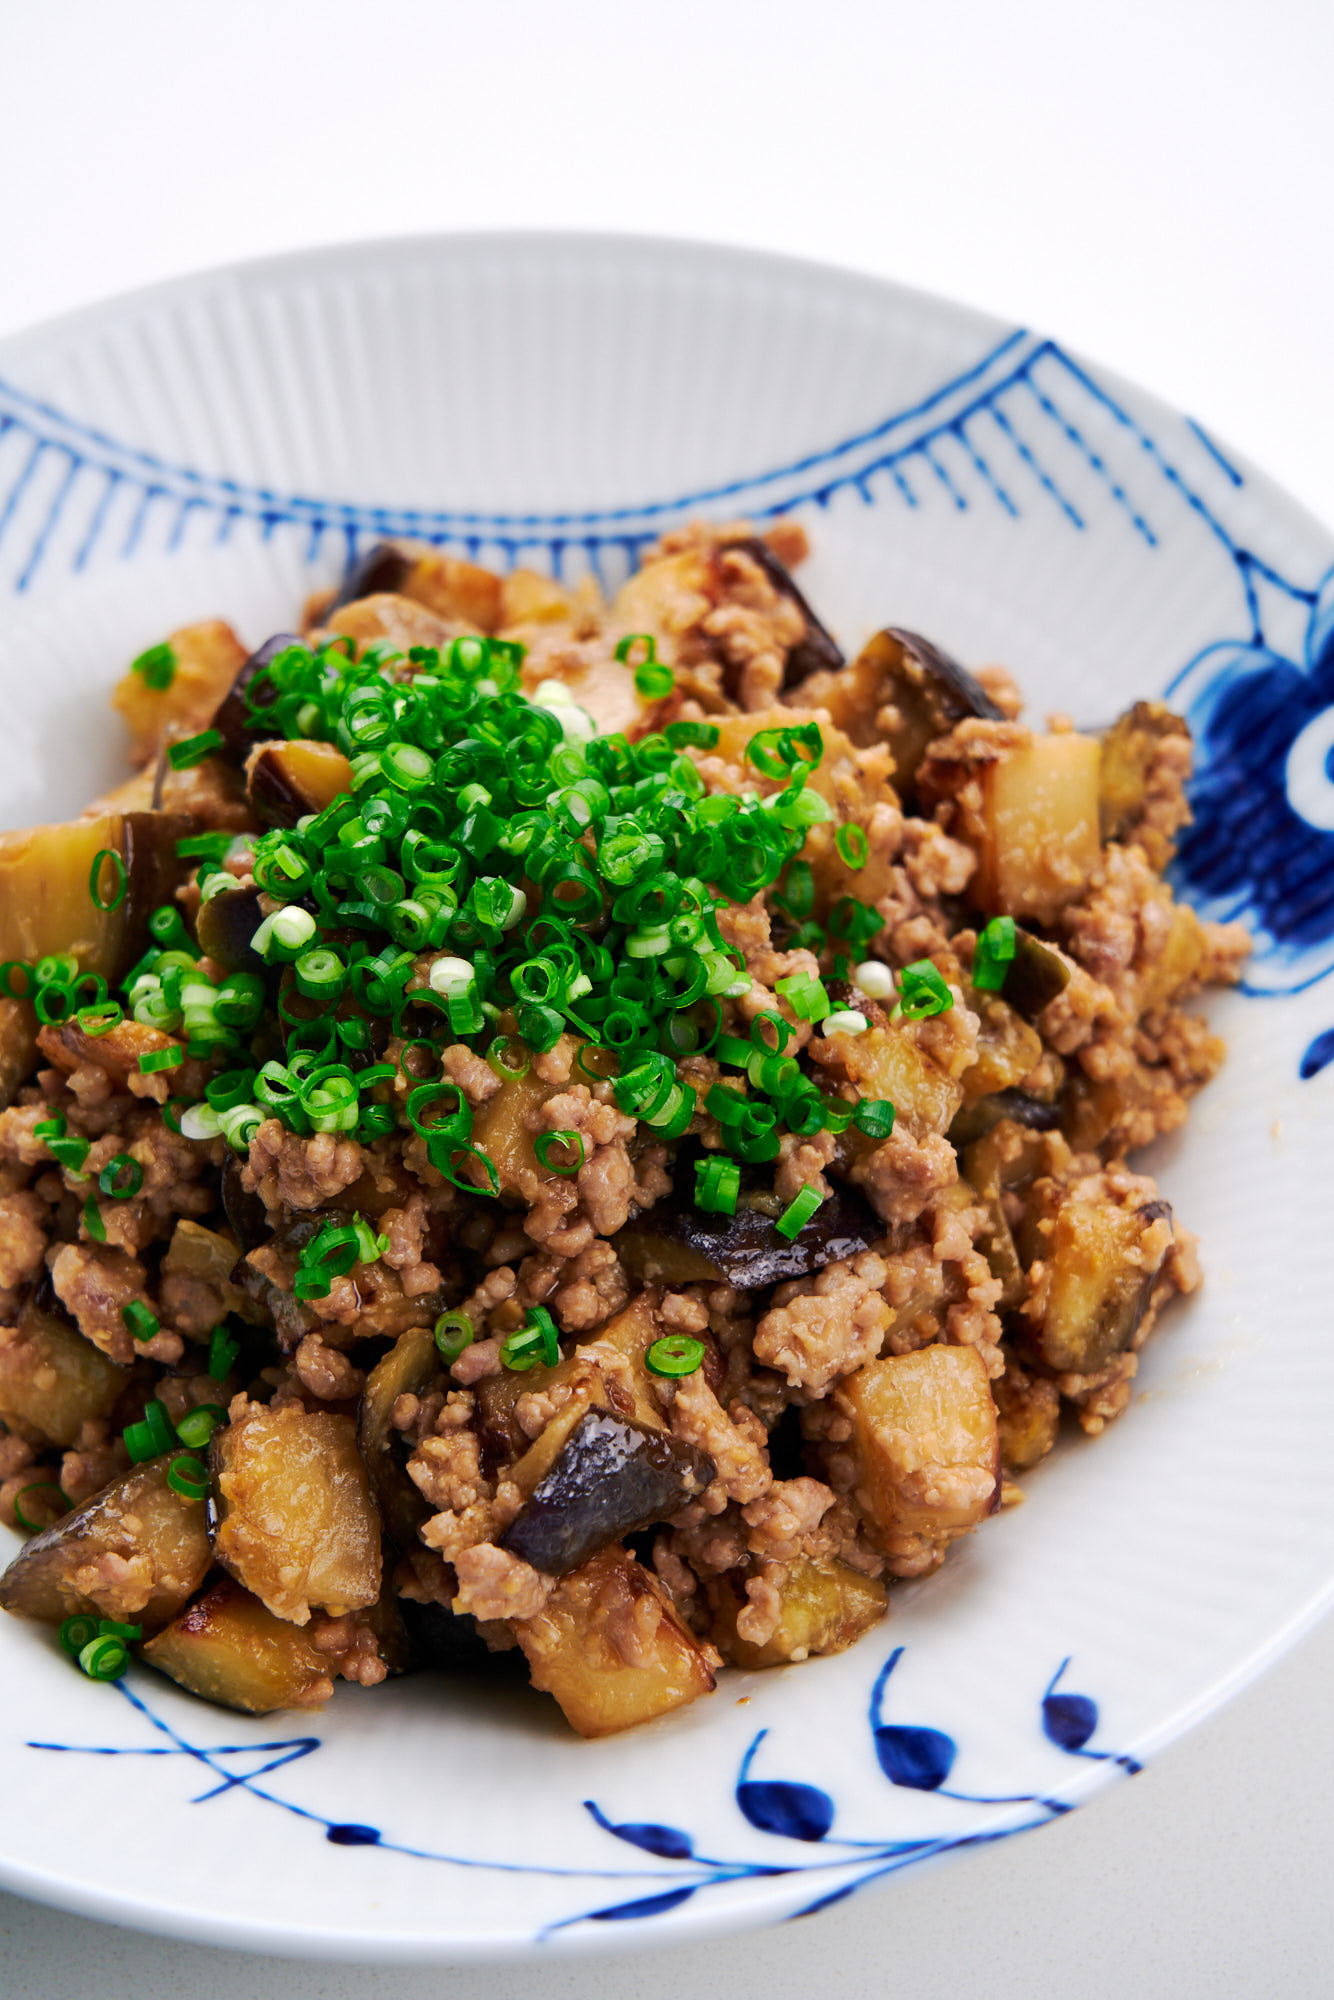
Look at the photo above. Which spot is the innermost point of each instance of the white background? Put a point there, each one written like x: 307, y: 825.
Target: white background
x: 1151, y: 182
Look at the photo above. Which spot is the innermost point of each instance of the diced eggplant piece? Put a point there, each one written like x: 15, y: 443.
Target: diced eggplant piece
x: 610, y: 1478
x: 925, y: 1450
x: 246, y: 1214
x: 979, y: 1117
x: 1132, y: 748
x: 68, y: 1047
x: 452, y: 589
x: 1028, y: 1414
x: 18, y: 1048
x: 206, y: 660
x: 383, y: 568
x: 409, y: 1368
x: 578, y: 1384
x: 228, y: 1649
x: 824, y: 1608
x: 611, y: 1649
x: 52, y: 1380
x: 674, y: 1243
x: 231, y: 718
x: 1008, y: 1049
x: 210, y: 1258
x: 904, y: 1064
x: 1095, y: 1255
x: 927, y: 691
x: 285, y: 781
x: 1037, y: 973
x: 818, y: 651
x: 225, y: 925
x: 982, y: 1167
x: 298, y: 1524
x: 45, y: 901
x: 137, y: 1551
x: 1039, y: 842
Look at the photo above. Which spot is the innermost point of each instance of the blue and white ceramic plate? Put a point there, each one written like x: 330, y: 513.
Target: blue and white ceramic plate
x: 224, y: 444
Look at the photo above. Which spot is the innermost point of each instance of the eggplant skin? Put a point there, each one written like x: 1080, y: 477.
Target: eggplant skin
x: 676, y: 1243
x: 818, y: 651
x: 383, y: 569
x: 232, y: 717
x: 1036, y: 975
x: 974, y: 1120
x: 225, y: 926
x: 611, y: 1478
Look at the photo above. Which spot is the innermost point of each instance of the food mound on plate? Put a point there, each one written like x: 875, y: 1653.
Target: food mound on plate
x: 573, y: 1136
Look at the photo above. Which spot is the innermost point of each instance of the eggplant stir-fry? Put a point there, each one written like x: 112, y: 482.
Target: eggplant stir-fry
x: 579, y: 1137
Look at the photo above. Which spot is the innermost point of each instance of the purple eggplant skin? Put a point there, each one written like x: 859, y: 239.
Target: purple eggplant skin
x: 1035, y: 976
x: 953, y: 689
x: 975, y: 1119
x: 610, y: 1478
x: 232, y: 720
x: 818, y: 651
x: 383, y: 569
x: 675, y: 1243
x: 225, y: 926
x: 247, y: 1217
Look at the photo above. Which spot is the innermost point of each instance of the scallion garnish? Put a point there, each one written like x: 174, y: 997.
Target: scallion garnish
x: 453, y: 1332
x: 192, y: 750
x: 156, y: 667
x: 993, y: 955
x: 922, y: 992
x: 675, y: 1354
x: 798, y: 1212
x: 198, y: 1425
x: 535, y: 1341
x: 142, y: 1323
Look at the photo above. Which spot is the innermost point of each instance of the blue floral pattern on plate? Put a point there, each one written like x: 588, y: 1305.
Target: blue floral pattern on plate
x: 913, y: 1757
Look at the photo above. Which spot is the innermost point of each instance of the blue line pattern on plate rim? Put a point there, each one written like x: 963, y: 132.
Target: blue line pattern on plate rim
x: 912, y: 1757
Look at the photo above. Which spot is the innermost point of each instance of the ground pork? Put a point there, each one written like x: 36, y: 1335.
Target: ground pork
x: 783, y: 1522
x: 351, y: 1647
x: 734, y: 1439
x: 23, y: 1219
x: 474, y: 1077
x: 95, y: 1285
x: 823, y: 1327
x: 328, y: 1375
x: 405, y: 1227
x: 287, y: 1171
x: 495, y: 1584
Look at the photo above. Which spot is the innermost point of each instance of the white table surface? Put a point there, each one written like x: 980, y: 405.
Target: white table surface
x: 1152, y: 182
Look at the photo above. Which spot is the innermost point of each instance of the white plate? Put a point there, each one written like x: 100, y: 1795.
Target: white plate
x: 219, y: 446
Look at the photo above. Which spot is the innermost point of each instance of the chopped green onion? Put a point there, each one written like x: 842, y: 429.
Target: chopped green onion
x: 846, y: 1021
x: 993, y: 955
x: 222, y: 1352
x: 653, y: 680
x: 156, y: 1059
x: 119, y: 882
x: 717, y: 1185
x: 121, y: 1178
x: 193, y: 749
x: 143, y: 1324
x: 798, y: 1212
x: 805, y: 995
x: 39, y: 1486
x: 151, y: 1437
x: 76, y: 1633
x: 698, y: 735
x: 852, y: 846
x: 8, y: 970
x: 92, y: 1220
x: 508, y: 1057
x: 875, y: 1117
x: 873, y: 978
x: 573, y: 1146
x: 675, y: 1354
x: 922, y: 992
x: 453, y: 1332
x: 156, y: 667
x: 535, y: 1341
x: 188, y: 1477
x: 198, y: 1425
x: 104, y: 1659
